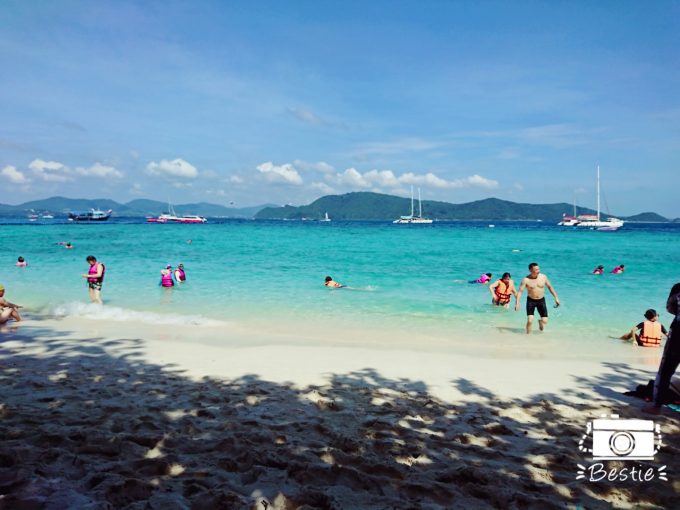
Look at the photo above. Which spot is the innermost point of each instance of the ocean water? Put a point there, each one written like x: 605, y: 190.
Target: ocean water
x: 409, y: 281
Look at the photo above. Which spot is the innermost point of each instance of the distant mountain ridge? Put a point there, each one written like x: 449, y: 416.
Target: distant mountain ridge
x: 376, y: 206
x: 134, y: 208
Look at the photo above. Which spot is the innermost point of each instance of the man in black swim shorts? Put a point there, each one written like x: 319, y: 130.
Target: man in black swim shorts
x: 535, y: 283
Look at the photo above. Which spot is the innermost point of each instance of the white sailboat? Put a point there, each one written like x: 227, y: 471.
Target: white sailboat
x: 414, y: 219
x: 325, y: 218
x: 594, y: 221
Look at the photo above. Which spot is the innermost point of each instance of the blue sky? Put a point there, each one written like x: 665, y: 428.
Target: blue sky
x: 254, y: 102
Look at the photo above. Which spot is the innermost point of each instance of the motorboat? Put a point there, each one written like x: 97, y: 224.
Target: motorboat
x: 91, y: 215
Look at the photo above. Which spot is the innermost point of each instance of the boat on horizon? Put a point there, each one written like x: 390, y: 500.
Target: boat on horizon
x: 326, y: 218
x: 411, y: 219
x: 592, y: 221
x: 91, y: 215
x: 171, y: 217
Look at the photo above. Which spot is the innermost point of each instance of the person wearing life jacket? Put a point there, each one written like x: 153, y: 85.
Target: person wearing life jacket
x: 618, y: 269
x: 598, y: 270
x: 180, y: 275
x: 95, y: 279
x: 502, y: 291
x: 483, y: 279
x: 167, y: 280
x: 21, y: 262
x: 647, y: 333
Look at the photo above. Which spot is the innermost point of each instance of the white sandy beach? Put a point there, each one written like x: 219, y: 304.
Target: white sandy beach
x: 131, y: 415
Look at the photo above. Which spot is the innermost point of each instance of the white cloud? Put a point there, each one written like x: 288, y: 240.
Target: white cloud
x: 182, y: 185
x: 306, y: 116
x: 49, y: 170
x: 235, y: 179
x: 99, y: 170
x: 352, y: 178
x: 386, y: 179
x: 284, y: 173
x: 13, y: 175
x: 175, y: 168
x: 323, y: 188
x: 321, y: 166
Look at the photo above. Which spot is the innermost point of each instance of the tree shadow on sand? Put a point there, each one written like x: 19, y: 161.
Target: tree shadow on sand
x: 88, y: 424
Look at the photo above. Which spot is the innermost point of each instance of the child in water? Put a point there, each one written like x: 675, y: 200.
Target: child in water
x: 21, y: 262
x: 483, y: 279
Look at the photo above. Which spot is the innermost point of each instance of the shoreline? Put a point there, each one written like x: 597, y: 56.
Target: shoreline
x: 129, y: 414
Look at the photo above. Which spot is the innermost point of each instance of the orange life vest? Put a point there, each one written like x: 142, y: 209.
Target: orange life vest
x: 650, y: 336
x: 503, y: 297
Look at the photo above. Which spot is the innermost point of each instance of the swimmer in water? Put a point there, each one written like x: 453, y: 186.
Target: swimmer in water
x: 21, y: 262
x: 483, y: 279
x: 329, y: 282
x: 598, y: 270
x: 68, y: 246
x: 618, y: 269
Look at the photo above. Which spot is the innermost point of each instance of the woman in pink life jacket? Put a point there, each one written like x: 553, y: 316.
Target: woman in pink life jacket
x: 166, y: 277
x: 180, y: 275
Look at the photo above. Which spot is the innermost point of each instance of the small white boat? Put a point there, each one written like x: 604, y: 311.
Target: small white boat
x: 414, y: 219
x: 593, y: 221
x: 325, y: 218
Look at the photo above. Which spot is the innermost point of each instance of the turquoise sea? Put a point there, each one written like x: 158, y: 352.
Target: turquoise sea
x: 411, y: 280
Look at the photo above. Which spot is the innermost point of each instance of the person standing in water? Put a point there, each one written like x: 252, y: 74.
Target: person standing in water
x: 502, y: 291
x: 95, y: 279
x: 180, y: 275
x: 167, y: 281
x: 535, y: 283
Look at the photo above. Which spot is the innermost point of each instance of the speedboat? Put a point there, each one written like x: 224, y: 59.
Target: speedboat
x: 91, y: 215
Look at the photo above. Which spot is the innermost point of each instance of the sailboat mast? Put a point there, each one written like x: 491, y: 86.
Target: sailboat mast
x: 598, y: 192
x: 411, y: 201
x: 420, y: 205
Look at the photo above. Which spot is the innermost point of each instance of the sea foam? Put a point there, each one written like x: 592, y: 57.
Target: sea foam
x: 113, y: 313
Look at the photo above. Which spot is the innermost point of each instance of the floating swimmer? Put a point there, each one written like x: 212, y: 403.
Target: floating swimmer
x: 68, y: 246
x: 650, y: 331
x: 598, y: 270
x: 167, y: 280
x: 483, y: 279
x: 618, y: 269
x: 329, y: 282
x: 21, y: 262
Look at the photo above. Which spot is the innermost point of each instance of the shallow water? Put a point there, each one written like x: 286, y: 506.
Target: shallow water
x: 410, y: 280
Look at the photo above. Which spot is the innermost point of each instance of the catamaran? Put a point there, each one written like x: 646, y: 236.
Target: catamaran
x: 411, y: 219
x: 593, y: 221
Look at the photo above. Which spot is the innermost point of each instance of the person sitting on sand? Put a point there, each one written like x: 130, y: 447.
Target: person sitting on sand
x: 502, y: 291
x: 167, y: 280
x: 329, y: 282
x: 650, y: 331
x: 618, y: 269
x: 670, y: 359
x: 21, y: 262
x: 8, y: 311
x: 598, y: 270
x: 483, y: 279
